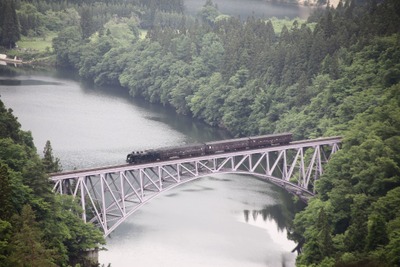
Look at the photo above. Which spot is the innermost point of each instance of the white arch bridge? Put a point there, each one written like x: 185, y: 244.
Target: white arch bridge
x: 111, y: 194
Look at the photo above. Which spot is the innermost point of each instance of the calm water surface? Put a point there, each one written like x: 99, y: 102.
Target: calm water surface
x: 255, y: 8
x: 222, y: 220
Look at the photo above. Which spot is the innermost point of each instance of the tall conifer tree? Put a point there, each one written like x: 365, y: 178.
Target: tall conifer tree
x: 9, y: 24
x: 6, y: 208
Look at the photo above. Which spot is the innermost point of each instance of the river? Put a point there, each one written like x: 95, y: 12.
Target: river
x: 255, y: 8
x: 222, y: 220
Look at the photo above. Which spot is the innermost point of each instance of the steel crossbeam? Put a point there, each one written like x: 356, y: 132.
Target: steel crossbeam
x: 111, y: 194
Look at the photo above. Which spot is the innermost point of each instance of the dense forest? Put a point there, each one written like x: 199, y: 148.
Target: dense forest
x: 37, y: 227
x: 336, y: 74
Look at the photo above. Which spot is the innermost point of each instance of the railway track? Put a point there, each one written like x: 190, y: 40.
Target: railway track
x: 86, y: 172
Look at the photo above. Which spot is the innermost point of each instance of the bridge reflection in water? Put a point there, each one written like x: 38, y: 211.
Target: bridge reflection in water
x: 109, y: 195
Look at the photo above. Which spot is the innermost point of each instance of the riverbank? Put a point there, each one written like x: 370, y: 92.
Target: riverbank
x: 5, y: 59
x: 35, y: 51
x: 333, y: 3
x: 91, y: 136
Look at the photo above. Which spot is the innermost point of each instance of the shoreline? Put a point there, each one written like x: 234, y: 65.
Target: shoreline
x: 305, y: 3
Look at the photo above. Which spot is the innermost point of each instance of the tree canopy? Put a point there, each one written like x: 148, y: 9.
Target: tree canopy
x: 37, y: 228
x: 335, y: 74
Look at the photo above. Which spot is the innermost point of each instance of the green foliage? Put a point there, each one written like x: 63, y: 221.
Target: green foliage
x: 13, y: 154
x: 306, y: 230
x: 57, y: 20
x: 366, y: 171
x: 68, y: 234
x: 66, y: 46
x: 6, y: 208
x: 356, y: 233
x: 31, y: 20
x: 5, y: 234
x: 50, y: 163
x: 338, y: 75
x: 9, y: 126
x: 9, y: 24
x: 324, y: 237
x: 37, y: 228
x: 377, y: 235
x: 27, y: 244
x: 209, y: 12
x: 208, y: 101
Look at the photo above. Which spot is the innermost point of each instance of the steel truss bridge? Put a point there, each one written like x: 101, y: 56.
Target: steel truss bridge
x: 111, y: 194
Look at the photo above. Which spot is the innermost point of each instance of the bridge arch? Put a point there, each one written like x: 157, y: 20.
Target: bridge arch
x: 108, y: 196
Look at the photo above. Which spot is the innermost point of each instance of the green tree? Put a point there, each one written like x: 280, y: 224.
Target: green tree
x: 237, y: 106
x: 50, y: 163
x: 31, y: 20
x: 211, y: 52
x: 306, y: 232
x: 325, y: 243
x: 6, y: 208
x: 377, y: 234
x: 92, y: 54
x: 355, y: 236
x: 9, y: 24
x: 209, y: 12
x: 37, y: 228
x: 208, y: 101
x: 180, y: 95
x: 392, y: 250
x: 86, y: 22
x: 67, y: 46
x: 27, y: 245
x: 80, y: 236
x: 9, y: 126
x: 5, y: 235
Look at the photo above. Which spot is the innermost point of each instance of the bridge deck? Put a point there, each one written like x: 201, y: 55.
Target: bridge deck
x: 108, y: 195
x: 124, y: 167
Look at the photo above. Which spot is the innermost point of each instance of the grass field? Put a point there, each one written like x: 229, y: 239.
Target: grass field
x: 279, y: 23
x: 39, y: 44
x: 31, y: 47
x: 143, y: 34
x: 44, y: 44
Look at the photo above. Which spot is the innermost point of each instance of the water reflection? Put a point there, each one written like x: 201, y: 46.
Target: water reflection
x: 195, y: 130
x: 281, y: 213
x: 26, y: 82
x: 254, y: 8
x: 198, y: 189
x: 268, y: 213
x: 200, y: 223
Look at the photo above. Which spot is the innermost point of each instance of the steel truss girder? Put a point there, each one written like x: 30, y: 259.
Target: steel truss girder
x: 110, y: 195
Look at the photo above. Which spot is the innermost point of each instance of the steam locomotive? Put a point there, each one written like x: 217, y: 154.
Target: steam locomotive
x: 195, y: 150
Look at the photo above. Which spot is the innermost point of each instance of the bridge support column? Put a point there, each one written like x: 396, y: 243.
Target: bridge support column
x: 83, y: 199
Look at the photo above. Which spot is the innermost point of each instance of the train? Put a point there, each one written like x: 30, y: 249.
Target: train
x: 214, y: 147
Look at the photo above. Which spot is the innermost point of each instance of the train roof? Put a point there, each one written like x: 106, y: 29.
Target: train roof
x: 270, y: 135
x: 227, y: 141
x: 247, y: 138
x: 178, y: 147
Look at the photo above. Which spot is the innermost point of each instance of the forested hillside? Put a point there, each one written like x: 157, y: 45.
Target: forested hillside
x: 36, y: 18
x: 336, y: 74
x: 37, y: 227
